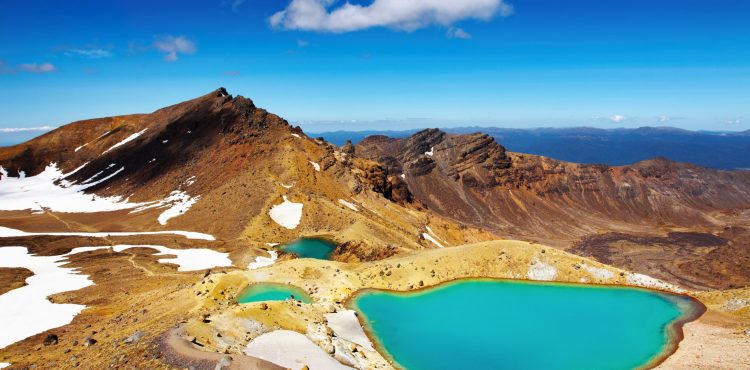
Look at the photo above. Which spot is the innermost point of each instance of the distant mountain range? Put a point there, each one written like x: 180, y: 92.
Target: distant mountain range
x: 719, y: 150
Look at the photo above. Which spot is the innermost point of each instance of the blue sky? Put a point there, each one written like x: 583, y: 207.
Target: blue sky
x: 384, y: 63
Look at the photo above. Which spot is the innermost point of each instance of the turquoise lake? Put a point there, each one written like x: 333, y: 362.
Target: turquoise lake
x: 310, y: 248
x: 260, y: 292
x: 497, y: 324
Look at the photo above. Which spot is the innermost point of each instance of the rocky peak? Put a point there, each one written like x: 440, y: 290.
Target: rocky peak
x: 455, y: 155
x: 477, y: 149
x: 420, y: 143
x: 348, y: 147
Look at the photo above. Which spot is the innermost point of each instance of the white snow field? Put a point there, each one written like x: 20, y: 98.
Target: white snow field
x: 287, y: 214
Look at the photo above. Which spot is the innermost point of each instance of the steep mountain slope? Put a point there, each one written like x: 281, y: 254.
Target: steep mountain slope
x: 215, y: 164
x: 472, y: 179
x: 614, y: 147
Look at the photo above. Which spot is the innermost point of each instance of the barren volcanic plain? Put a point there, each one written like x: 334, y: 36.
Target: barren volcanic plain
x: 126, y: 241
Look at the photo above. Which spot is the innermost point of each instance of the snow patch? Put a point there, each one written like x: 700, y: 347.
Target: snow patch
x: 127, y: 140
x: 539, y: 270
x: 48, y: 190
x: 180, y: 203
x: 346, y: 326
x: 287, y: 186
x: 26, y: 311
x: 433, y: 240
x: 287, y: 214
x: 186, y: 259
x: 348, y: 205
x: 403, y: 176
x: 315, y: 166
x: 80, y: 147
x: 261, y: 261
x: 292, y: 350
x: 431, y: 152
x: 11, y: 233
x: 429, y: 230
x: 297, y: 136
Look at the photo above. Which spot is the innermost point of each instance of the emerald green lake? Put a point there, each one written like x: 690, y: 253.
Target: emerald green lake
x: 497, y: 324
x: 271, y: 292
x: 310, y: 248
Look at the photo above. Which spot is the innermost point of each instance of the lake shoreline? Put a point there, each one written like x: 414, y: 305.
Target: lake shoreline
x: 675, y: 331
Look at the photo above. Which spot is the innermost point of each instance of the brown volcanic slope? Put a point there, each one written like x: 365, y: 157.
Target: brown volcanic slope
x: 240, y: 160
x: 472, y: 179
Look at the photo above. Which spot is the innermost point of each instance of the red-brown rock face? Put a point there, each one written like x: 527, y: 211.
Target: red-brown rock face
x: 471, y: 178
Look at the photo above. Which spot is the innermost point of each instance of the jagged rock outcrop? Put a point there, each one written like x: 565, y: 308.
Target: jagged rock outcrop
x: 471, y: 178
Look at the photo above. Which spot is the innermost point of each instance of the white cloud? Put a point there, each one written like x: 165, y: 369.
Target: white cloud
x: 172, y: 46
x: 25, y: 129
x: 328, y: 16
x: 615, y: 118
x: 663, y: 119
x: 37, y: 68
x: 733, y: 121
x: 457, y: 33
x: 94, y: 53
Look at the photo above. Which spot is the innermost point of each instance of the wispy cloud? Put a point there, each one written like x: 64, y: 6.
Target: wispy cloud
x: 615, y: 118
x: 664, y: 119
x: 457, y: 33
x: 25, y: 129
x: 233, y: 4
x: 302, y: 43
x: 173, y: 46
x: 37, y: 67
x: 734, y: 121
x: 93, y: 53
x: 325, y: 16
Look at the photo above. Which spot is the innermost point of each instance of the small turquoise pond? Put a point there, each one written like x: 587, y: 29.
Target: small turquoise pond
x: 496, y: 324
x: 272, y: 292
x: 310, y: 248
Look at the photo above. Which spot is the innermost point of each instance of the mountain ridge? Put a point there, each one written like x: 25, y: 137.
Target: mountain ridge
x: 472, y: 179
x: 617, y: 146
x: 219, y: 157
